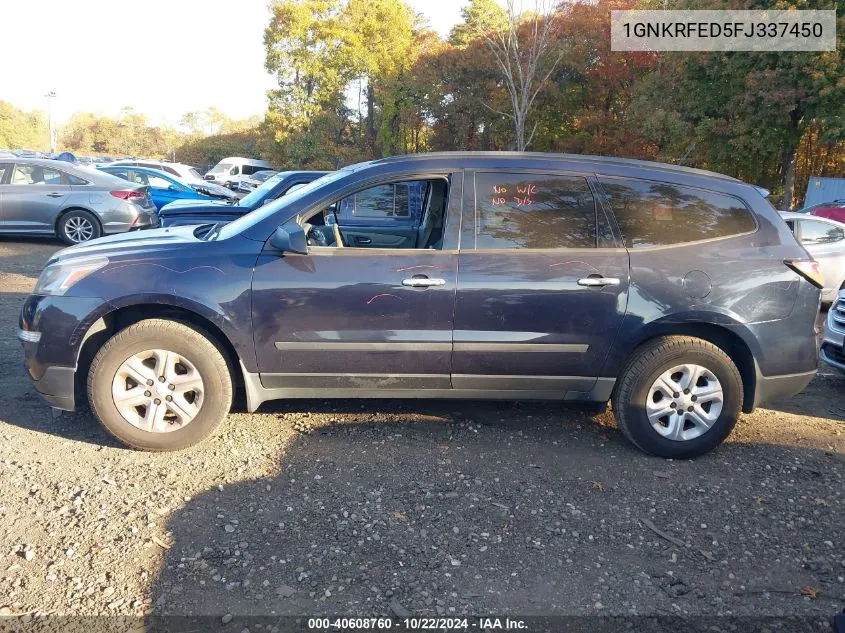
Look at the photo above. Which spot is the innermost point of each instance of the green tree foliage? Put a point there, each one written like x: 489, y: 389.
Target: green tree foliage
x: 19, y: 129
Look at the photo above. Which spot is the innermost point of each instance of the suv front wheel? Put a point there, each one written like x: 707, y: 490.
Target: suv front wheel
x: 678, y: 397
x: 159, y: 385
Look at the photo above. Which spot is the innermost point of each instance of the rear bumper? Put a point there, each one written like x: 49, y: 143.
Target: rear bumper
x: 771, y: 388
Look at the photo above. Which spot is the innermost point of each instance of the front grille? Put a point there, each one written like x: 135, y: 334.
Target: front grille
x: 833, y: 353
x: 837, y: 315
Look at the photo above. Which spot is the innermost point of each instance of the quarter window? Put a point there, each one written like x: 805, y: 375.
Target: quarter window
x: 533, y: 211
x: 651, y: 213
x: 815, y: 232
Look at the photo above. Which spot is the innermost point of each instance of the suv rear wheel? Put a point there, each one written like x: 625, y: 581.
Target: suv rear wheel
x: 160, y: 385
x: 678, y: 397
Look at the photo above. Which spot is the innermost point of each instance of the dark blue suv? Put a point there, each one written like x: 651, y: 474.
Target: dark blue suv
x: 678, y: 294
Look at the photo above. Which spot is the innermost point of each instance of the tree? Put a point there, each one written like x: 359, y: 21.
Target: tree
x: 526, y: 58
x: 19, y: 129
x: 480, y: 17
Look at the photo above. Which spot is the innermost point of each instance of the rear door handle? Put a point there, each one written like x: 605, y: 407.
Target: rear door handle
x: 363, y: 240
x: 423, y: 282
x: 598, y: 281
x: 55, y: 195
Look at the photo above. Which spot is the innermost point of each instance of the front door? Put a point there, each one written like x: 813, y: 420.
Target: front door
x: 33, y: 198
x: 542, y: 286
x: 373, y: 315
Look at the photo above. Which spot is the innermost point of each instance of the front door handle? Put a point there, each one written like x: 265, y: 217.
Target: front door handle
x: 598, y: 281
x: 423, y: 282
x: 363, y: 240
x: 55, y: 195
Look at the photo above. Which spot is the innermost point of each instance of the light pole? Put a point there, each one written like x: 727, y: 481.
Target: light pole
x: 50, y: 96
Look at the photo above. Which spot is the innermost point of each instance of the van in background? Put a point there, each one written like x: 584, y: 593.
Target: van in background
x: 229, y: 171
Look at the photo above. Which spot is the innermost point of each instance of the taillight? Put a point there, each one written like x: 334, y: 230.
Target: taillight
x: 127, y: 195
x: 808, y: 269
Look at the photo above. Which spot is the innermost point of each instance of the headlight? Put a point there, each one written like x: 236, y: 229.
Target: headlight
x: 59, y: 277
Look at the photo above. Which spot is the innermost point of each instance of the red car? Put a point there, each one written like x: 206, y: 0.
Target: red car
x: 834, y: 210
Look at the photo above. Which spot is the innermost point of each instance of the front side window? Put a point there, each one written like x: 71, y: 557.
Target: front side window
x: 651, y: 213
x: 399, y: 215
x: 36, y: 175
x: 391, y: 203
x: 815, y: 232
x: 536, y: 211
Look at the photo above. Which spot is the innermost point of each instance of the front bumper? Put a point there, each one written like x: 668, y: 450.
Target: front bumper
x: 57, y: 386
x: 51, y: 330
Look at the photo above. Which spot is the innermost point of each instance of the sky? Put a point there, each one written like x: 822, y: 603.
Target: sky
x: 161, y: 57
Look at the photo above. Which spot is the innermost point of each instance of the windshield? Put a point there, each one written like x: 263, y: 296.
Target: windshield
x: 221, y: 167
x: 254, y: 196
x: 195, y: 173
x: 251, y: 219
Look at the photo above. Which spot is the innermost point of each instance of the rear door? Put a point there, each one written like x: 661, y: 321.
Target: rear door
x: 33, y: 198
x: 542, y: 286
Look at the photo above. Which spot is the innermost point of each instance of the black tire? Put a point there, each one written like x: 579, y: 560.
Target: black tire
x: 645, y: 366
x: 71, y: 225
x: 191, y: 344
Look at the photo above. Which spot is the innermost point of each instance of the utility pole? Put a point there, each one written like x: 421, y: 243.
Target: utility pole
x: 50, y: 96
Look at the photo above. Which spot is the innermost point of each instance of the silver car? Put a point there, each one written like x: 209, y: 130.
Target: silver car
x: 49, y: 197
x: 825, y: 240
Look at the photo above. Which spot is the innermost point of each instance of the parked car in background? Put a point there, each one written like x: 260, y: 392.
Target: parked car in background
x: 165, y: 188
x: 185, y: 172
x: 29, y: 153
x: 832, y: 349
x: 185, y: 212
x: 230, y: 170
x: 834, y: 210
x: 825, y: 240
x: 679, y: 294
x: 248, y: 183
x: 47, y: 197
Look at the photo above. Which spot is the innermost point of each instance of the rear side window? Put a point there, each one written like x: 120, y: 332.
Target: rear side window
x: 533, y: 211
x: 815, y: 232
x: 651, y: 213
x: 5, y: 168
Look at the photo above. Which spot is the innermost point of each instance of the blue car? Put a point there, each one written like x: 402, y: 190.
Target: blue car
x: 184, y: 213
x: 165, y: 188
x: 679, y: 294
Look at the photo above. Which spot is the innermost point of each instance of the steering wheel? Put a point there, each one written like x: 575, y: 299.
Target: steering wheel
x: 312, y: 237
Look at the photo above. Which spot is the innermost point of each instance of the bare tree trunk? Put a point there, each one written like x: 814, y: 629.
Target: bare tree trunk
x: 524, y: 55
x: 371, y: 120
x: 788, y: 179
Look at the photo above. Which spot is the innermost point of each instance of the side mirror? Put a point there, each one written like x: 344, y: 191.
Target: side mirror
x: 290, y: 239
x: 173, y: 188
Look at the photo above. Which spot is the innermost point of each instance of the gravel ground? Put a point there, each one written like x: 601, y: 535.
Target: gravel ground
x: 432, y: 508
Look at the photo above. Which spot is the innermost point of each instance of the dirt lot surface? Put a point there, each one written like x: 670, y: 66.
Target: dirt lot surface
x: 432, y: 508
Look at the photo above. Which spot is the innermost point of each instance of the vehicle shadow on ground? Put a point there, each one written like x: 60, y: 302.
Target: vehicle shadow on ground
x: 484, y: 511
